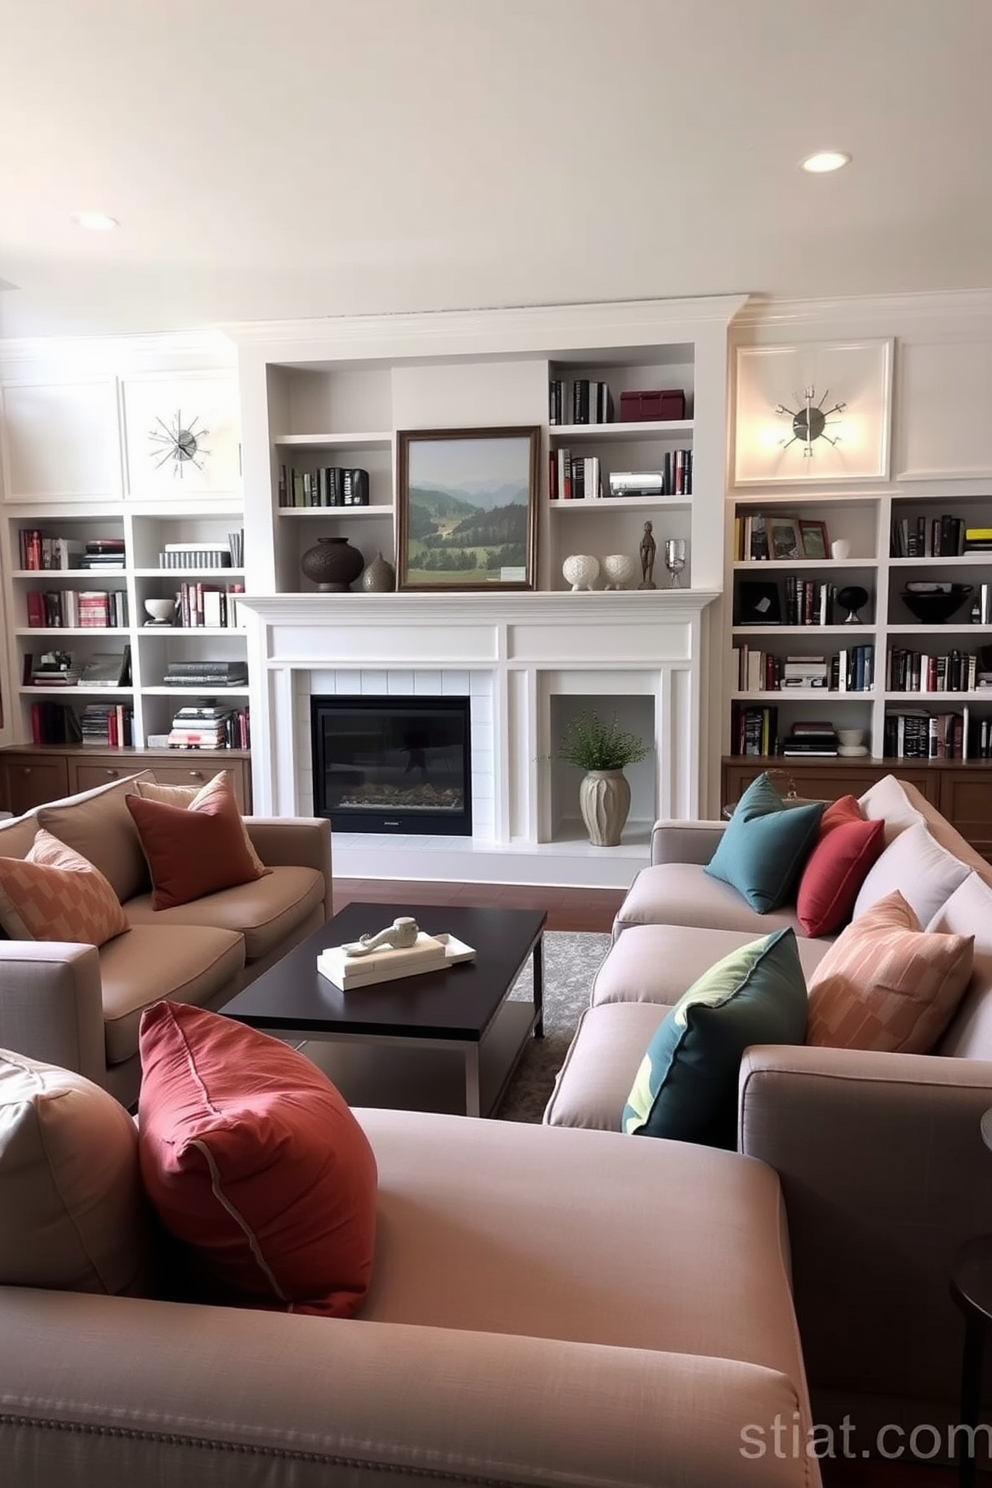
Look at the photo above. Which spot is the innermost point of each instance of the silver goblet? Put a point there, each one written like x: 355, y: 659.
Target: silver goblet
x: 675, y: 556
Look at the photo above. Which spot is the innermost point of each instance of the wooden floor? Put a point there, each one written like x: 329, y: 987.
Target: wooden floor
x: 567, y: 909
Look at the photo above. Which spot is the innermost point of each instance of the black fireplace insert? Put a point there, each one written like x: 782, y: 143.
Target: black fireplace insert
x: 393, y: 764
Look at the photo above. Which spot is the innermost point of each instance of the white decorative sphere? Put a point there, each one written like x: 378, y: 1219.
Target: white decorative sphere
x: 581, y: 570
x: 618, y: 570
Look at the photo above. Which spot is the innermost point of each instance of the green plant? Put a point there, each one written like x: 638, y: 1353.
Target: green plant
x: 594, y: 745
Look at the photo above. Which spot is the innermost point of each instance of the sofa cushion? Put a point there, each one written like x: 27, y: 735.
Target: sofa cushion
x: 17, y: 836
x: 656, y: 963
x: 193, y: 798
x: 969, y: 911
x: 886, y: 984
x: 265, y: 911
x: 74, y: 1214
x: 54, y: 894
x: 686, y: 1086
x: 916, y: 865
x: 601, y: 1064
x: 846, y: 847
x: 685, y: 894
x: 194, y: 850
x: 98, y: 825
x: 254, y: 1160
x: 199, y: 965
x: 765, y: 845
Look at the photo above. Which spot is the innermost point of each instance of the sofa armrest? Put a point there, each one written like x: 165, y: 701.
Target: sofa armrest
x: 295, y: 842
x: 884, y: 1175
x: 51, y: 1004
x: 685, y: 841
x: 250, y: 1399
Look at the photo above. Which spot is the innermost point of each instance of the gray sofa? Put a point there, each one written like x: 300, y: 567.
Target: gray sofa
x: 79, y: 1007
x: 880, y: 1156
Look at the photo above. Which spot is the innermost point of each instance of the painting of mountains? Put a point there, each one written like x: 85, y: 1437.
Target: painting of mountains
x: 468, y: 509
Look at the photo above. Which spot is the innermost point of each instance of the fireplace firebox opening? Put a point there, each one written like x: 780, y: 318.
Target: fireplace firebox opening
x: 393, y: 764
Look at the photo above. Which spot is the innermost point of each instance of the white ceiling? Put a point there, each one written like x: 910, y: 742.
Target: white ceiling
x: 296, y: 158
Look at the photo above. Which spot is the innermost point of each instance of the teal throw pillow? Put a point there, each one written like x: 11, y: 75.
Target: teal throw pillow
x: 765, y: 845
x: 686, y: 1087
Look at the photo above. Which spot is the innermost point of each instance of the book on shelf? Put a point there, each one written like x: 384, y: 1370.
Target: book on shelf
x: 51, y: 669
x: 54, y: 723
x: 592, y: 402
x: 106, y: 669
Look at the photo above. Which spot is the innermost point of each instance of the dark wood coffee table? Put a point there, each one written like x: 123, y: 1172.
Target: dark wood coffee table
x: 442, y: 1040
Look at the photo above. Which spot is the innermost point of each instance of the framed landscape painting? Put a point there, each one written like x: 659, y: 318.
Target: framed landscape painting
x: 467, y: 508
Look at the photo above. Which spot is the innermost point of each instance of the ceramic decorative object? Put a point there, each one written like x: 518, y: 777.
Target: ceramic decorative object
x: 604, y: 801
x: 618, y: 569
x: 581, y: 570
x: 160, y: 610
x: 379, y: 577
x: 332, y: 564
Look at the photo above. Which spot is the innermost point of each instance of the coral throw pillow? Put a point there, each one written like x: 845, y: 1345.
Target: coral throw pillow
x: 255, y: 1161
x: 54, y: 894
x: 197, y: 849
x: 886, y: 984
x: 846, y: 848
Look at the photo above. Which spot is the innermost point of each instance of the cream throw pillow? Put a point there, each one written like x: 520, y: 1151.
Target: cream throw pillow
x: 193, y: 797
x: 886, y: 984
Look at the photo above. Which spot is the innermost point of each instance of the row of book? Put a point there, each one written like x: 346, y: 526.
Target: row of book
x: 209, y: 725
x: 206, y: 673
x: 591, y: 402
x: 945, y: 536
x: 196, y: 555
x: 206, y: 606
x: 96, y: 609
x: 108, y: 724
x: 330, y: 485
x: 579, y: 477
x: 40, y: 550
x: 848, y: 670
x: 956, y: 671
x: 63, y: 669
x: 916, y: 734
x: 807, y: 602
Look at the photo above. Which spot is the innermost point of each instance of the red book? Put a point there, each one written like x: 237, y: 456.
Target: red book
x: 36, y: 608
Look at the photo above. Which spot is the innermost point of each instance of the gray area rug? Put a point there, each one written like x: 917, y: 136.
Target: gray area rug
x: 571, y: 960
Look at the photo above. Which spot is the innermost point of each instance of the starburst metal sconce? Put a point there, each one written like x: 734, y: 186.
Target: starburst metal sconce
x: 811, y: 421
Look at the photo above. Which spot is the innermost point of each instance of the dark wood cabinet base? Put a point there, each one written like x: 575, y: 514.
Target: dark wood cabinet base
x: 31, y: 775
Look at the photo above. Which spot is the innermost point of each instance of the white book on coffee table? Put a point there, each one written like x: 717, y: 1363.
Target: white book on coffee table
x: 429, y: 953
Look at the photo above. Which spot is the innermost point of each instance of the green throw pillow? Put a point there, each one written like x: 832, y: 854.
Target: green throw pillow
x: 765, y: 845
x: 686, y: 1087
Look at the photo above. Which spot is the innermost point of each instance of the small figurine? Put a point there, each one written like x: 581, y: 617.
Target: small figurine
x: 648, y: 549
x: 400, y: 935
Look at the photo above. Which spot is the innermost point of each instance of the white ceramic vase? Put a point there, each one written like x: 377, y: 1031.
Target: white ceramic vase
x: 581, y: 570
x: 604, y: 800
x: 618, y: 570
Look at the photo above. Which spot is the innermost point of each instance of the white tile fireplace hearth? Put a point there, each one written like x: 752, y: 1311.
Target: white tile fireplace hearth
x: 527, y: 661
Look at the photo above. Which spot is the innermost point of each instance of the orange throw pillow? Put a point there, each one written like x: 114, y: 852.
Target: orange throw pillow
x: 846, y: 847
x: 194, y: 797
x: 886, y: 984
x: 255, y: 1161
x: 55, y: 894
x: 194, y: 850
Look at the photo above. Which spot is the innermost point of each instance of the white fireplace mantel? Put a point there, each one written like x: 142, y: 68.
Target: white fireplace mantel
x: 522, y: 650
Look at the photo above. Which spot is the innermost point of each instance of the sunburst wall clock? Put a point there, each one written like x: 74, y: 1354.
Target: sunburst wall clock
x: 179, y: 441
x: 839, y: 433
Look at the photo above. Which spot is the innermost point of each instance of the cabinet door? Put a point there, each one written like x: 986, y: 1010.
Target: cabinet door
x: 819, y: 780
x: 29, y: 780
x: 198, y: 773
x: 101, y: 769
x: 966, y: 801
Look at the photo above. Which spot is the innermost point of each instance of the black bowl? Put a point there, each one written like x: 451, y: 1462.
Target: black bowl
x: 935, y: 606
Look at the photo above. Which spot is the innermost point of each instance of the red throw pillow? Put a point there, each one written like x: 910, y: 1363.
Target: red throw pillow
x: 846, y: 848
x: 196, y: 850
x: 255, y: 1161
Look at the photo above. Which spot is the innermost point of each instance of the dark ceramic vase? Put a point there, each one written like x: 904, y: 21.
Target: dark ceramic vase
x: 332, y: 563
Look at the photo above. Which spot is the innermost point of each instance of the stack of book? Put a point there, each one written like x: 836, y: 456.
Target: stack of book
x: 109, y: 724
x: 51, y: 669
x: 195, y: 555
x: 107, y: 669
x: 813, y: 738
x: 201, y: 726
x: 978, y: 539
x: 806, y: 671
x: 103, y: 554
x: 210, y: 674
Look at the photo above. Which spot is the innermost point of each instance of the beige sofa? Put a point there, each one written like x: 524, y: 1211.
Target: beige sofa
x: 547, y: 1307
x: 880, y: 1155
x: 79, y: 1007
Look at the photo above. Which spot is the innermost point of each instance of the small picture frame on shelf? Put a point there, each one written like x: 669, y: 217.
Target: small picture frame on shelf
x: 816, y: 544
x: 785, y: 539
x: 758, y: 603
x: 467, y: 508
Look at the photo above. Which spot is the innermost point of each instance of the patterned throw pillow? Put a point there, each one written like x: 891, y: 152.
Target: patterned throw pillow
x: 765, y: 845
x: 846, y: 848
x: 194, y: 850
x: 886, y: 984
x: 54, y: 894
x: 193, y: 798
x: 254, y: 1160
x: 686, y: 1087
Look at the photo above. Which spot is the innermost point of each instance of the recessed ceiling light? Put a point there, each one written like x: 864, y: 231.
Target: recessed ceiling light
x: 95, y: 221
x: 825, y: 160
